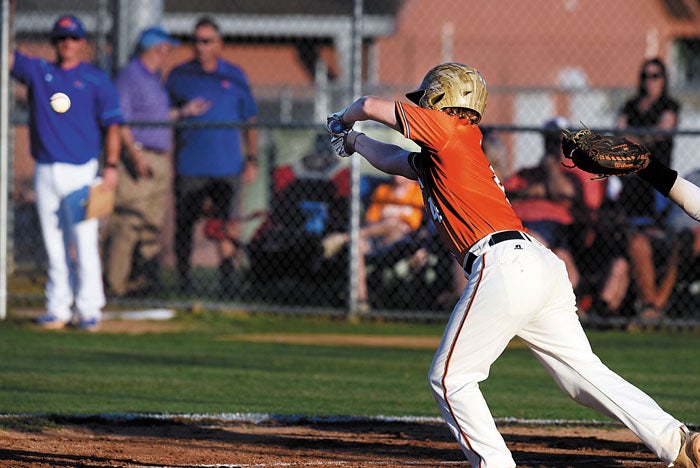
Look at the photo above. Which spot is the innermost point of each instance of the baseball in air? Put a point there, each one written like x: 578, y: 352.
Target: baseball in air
x: 60, y: 103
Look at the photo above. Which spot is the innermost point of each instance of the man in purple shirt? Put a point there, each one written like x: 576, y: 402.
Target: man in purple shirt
x: 145, y: 174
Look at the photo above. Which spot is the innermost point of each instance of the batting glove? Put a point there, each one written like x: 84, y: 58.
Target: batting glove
x: 335, y: 124
x: 344, y: 145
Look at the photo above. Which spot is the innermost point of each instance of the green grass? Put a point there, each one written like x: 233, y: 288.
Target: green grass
x: 208, y: 369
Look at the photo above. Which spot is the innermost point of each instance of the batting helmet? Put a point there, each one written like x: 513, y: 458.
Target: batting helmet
x: 452, y: 85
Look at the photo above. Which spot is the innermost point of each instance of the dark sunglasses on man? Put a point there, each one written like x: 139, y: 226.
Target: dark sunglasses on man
x: 204, y: 40
x: 63, y: 38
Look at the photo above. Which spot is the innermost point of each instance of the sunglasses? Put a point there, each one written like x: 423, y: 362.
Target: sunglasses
x: 204, y: 40
x: 65, y: 38
x: 653, y: 76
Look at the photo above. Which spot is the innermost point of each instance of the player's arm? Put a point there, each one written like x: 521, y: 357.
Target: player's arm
x: 371, y: 108
x: 113, y: 144
x: 667, y: 181
x: 134, y: 151
x: 386, y: 157
x: 250, y: 148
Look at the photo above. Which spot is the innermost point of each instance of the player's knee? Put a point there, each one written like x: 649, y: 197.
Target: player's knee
x: 436, y: 376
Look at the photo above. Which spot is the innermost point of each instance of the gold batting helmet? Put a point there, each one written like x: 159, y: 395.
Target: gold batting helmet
x: 451, y: 85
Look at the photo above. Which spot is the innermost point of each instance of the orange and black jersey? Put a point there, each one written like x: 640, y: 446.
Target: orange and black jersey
x: 460, y: 189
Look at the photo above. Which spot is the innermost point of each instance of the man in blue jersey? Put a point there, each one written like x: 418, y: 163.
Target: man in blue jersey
x: 212, y: 162
x: 66, y: 147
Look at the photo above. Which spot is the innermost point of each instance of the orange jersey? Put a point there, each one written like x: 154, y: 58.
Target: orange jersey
x: 460, y: 190
x: 405, y: 203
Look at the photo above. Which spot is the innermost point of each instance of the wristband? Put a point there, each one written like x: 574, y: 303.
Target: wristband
x: 112, y: 165
x: 251, y: 159
x: 658, y: 176
x: 350, y: 141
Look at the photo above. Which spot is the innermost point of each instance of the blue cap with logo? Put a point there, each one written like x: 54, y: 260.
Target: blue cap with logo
x: 153, y: 36
x: 68, y: 26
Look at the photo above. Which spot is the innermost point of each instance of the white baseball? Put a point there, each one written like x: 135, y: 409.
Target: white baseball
x: 60, y: 102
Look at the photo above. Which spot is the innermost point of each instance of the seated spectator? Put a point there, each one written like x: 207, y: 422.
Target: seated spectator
x: 497, y: 154
x: 394, y: 213
x: 601, y: 255
x: 549, y: 198
x: 309, y: 201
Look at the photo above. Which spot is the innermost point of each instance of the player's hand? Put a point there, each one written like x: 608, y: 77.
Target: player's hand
x: 250, y: 172
x: 344, y: 145
x: 338, y: 142
x: 143, y: 167
x: 335, y: 124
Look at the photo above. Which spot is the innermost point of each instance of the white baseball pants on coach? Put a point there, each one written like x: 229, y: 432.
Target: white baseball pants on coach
x: 65, y: 283
x: 520, y: 288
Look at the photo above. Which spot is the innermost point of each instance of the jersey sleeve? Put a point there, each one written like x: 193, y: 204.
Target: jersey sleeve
x: 429, y: 128
x: 250, y: 108
x: 22, y: 68
x: 108, y: 106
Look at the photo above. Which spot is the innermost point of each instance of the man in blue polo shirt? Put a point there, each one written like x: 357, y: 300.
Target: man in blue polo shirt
x: 212, y: 162
x: 66, y: 147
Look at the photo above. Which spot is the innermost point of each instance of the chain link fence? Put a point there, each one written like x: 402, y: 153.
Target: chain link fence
x: 291, y: 248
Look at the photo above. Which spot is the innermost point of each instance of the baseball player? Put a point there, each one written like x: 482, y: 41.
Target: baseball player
x: 66, y: 147
x: 515, y: 286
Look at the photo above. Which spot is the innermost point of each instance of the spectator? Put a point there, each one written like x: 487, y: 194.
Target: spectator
x: 498, y: 155
x: 66, y: 147
x: 209, y: 160
x: 548, y: 198
x: 145, y: 172
x: 394, y: 213
x: 653, y: 257
x: 310, y: 198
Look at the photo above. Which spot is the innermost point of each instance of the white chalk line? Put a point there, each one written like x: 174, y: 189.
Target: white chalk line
x: 263, y: 418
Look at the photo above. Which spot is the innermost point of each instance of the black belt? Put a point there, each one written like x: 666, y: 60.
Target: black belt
x: 496, y: 238
x: 151, y: 149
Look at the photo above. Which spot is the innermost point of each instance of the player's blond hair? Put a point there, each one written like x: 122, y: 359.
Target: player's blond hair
x: 463, y: 113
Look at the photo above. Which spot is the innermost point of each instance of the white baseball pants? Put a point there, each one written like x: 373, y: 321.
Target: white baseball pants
x: 67, y: 283
x: 520, y: 288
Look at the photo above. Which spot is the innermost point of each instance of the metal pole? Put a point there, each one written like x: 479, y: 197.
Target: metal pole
x: 102, y: 14
x: 4, y: 151
x: 355, y: 208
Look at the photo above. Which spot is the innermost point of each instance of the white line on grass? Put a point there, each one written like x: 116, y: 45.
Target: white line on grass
x: 262, y: 418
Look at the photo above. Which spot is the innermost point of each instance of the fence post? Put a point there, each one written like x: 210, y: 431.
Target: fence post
x: 355, y: 209
x: 4, y: 152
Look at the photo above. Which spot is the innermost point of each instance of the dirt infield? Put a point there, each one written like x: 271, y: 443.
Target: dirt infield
x: 96, y: 442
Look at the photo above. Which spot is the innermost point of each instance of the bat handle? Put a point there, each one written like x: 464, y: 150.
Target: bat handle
x: 336, y: 126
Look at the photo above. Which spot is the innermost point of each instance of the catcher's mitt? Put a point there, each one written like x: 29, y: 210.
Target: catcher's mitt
x: 601, y: 155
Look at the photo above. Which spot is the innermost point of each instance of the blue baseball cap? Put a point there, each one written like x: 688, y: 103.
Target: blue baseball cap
x: 153, y: 36
x: 67, y: 26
